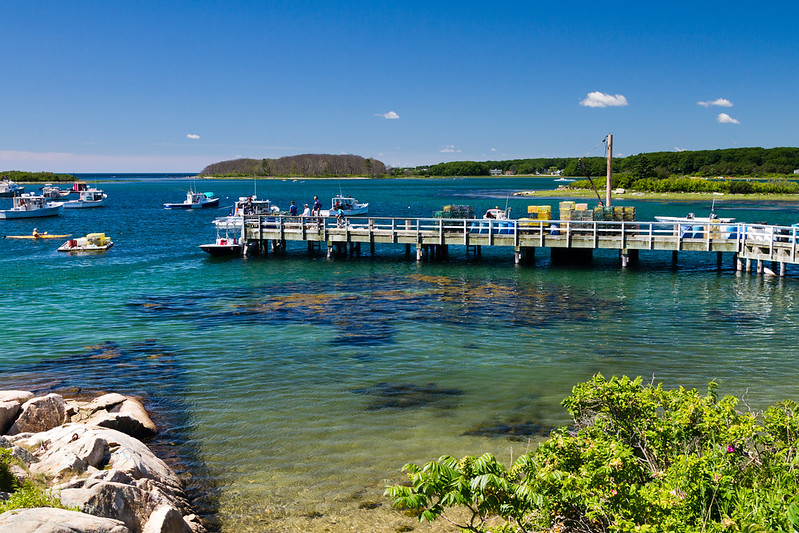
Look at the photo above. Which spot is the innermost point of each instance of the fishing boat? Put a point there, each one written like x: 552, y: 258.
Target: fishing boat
x: 87, y: 198
x: 497, y: 214
x: 93, y: 242
x: 195, y: 200
x: 347, y: 204
x: 245, y: 206
x: 52, y: 192
x: 8, y: 188
x: 30, y: 205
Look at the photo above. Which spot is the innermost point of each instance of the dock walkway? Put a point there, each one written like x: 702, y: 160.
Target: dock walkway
x: 432, y: 237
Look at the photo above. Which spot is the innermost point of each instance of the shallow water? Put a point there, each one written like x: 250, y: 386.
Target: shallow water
x: 293, y: 389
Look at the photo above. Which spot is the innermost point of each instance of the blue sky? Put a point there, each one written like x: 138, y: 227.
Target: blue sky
x: 144, y: 86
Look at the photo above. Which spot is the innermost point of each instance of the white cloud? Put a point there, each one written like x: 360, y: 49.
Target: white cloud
x: 599, y: 99
x: 493, y: 149
x: 724, y: 118
x: 721, y: 102
x: 450, y: 149
x: 389, y: 115
x: 192, y: 136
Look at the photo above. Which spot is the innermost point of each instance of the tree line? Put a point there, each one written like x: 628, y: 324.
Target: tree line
x: 750, y: 162
x: 320, y: 165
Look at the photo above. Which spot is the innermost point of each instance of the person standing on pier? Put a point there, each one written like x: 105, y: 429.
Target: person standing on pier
x: 317, y: 206
x: 293, y: 209
x: 306, y: 212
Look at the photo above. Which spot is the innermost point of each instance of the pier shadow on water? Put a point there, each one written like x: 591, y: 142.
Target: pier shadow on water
x: 146, y: 370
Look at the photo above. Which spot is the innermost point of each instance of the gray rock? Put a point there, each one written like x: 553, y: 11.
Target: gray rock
x: 127, y: 503
x: 19, y: 396
x: 8, y: 413
x: 40, y: 414
x: 47, y: 520
x: 73, y: 451
x: 166, y: 519
x: 118, y: 412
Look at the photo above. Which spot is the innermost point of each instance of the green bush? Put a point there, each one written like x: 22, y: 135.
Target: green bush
x: 24, y: 493
x: 638, y: 458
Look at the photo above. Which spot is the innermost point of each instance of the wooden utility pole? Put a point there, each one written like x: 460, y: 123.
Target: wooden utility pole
x: 610, y: 169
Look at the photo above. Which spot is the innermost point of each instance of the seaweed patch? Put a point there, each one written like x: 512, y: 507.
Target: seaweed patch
x: 409, y: 396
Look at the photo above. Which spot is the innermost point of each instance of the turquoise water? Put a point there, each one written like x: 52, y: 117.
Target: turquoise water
x: 292, y: 389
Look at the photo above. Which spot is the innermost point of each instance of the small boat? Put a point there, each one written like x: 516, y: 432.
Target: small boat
x: 245, y: 205
x: 195, y: 200
x: 347, y: 204
x: 690, y: 218
x: 88, y: 198
x: 223, y: 246
x: 36, y: 236
x: 497, y: 214
x: 564, y: 180
x: 8, y: 188
x: 52, y: 192
x: 93, y: 242
x: 30, y: 205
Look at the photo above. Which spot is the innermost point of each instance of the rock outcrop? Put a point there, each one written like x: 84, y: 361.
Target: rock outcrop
x: 91, y: 454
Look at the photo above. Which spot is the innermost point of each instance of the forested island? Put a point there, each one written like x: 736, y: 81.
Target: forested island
x: 19, y: 176
x: 305, y: 165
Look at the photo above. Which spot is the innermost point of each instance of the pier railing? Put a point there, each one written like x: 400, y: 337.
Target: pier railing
x: 749, y: 241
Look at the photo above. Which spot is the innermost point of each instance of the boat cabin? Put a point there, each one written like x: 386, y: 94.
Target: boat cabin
x: 251, y: 205
x: 343, y: 202
x: 29, y: 202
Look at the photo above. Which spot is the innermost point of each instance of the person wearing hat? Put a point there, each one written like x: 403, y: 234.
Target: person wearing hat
x: 306, y: 212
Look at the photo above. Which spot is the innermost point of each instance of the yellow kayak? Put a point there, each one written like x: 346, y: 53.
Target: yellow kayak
x: 35, y: 237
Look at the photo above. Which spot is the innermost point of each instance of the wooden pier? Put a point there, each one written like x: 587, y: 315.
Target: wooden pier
x: 431, y: 237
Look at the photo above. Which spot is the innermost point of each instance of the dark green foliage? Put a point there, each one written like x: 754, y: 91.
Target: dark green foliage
x: 41, y: 177
x: 323, y: 165
x: 640, y: 458
x: 6, y: 477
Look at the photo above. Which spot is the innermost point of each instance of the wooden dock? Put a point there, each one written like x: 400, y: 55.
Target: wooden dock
x: 431, y: 237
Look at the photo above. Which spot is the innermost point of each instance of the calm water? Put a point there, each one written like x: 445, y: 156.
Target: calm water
x: 293, y: 389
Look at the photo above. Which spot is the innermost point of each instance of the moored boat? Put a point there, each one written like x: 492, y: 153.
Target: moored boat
x: 195, y: 200
x: 8, y: 188
x: 225, y: 245
x: 52, y: 192
x: 690, y: 218
x: 245, y: 206
x: 93, y: 242
x: 31, y: 206
x: 88, y: 198
x: 348, y: 205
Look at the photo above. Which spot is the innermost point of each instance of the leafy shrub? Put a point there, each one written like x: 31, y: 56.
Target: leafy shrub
x: 638, y: 458
x: 6, y: 477
x: 24, y: 493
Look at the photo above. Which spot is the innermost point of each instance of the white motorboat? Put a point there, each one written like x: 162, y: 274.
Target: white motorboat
x: 195, y: 200
x: 51, y: 192
x: 88, y: 198
x: 690, y: 218
x: 224, y: 245
x: 93, y: 242
x: 348, y: 205
x: 8, y: 188
x: 31, y: 206
x: 245, y: 206
x: 497, y: 214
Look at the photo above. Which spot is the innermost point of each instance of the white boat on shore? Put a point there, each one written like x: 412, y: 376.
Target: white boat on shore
x: 195, y: 200
x: 348, y: 205
x: 31, y: 206
x: 88, y: 198
x: 8, y: 188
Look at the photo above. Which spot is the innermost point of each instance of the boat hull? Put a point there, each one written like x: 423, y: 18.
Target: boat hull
x: 36, y: 237
x: 360, y: 210
x: 184, y: 205
x: 694, y: 220
x: 79, y: 204
x: 221, y: 250
x: 84, y: 248
x: 33, y: 213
